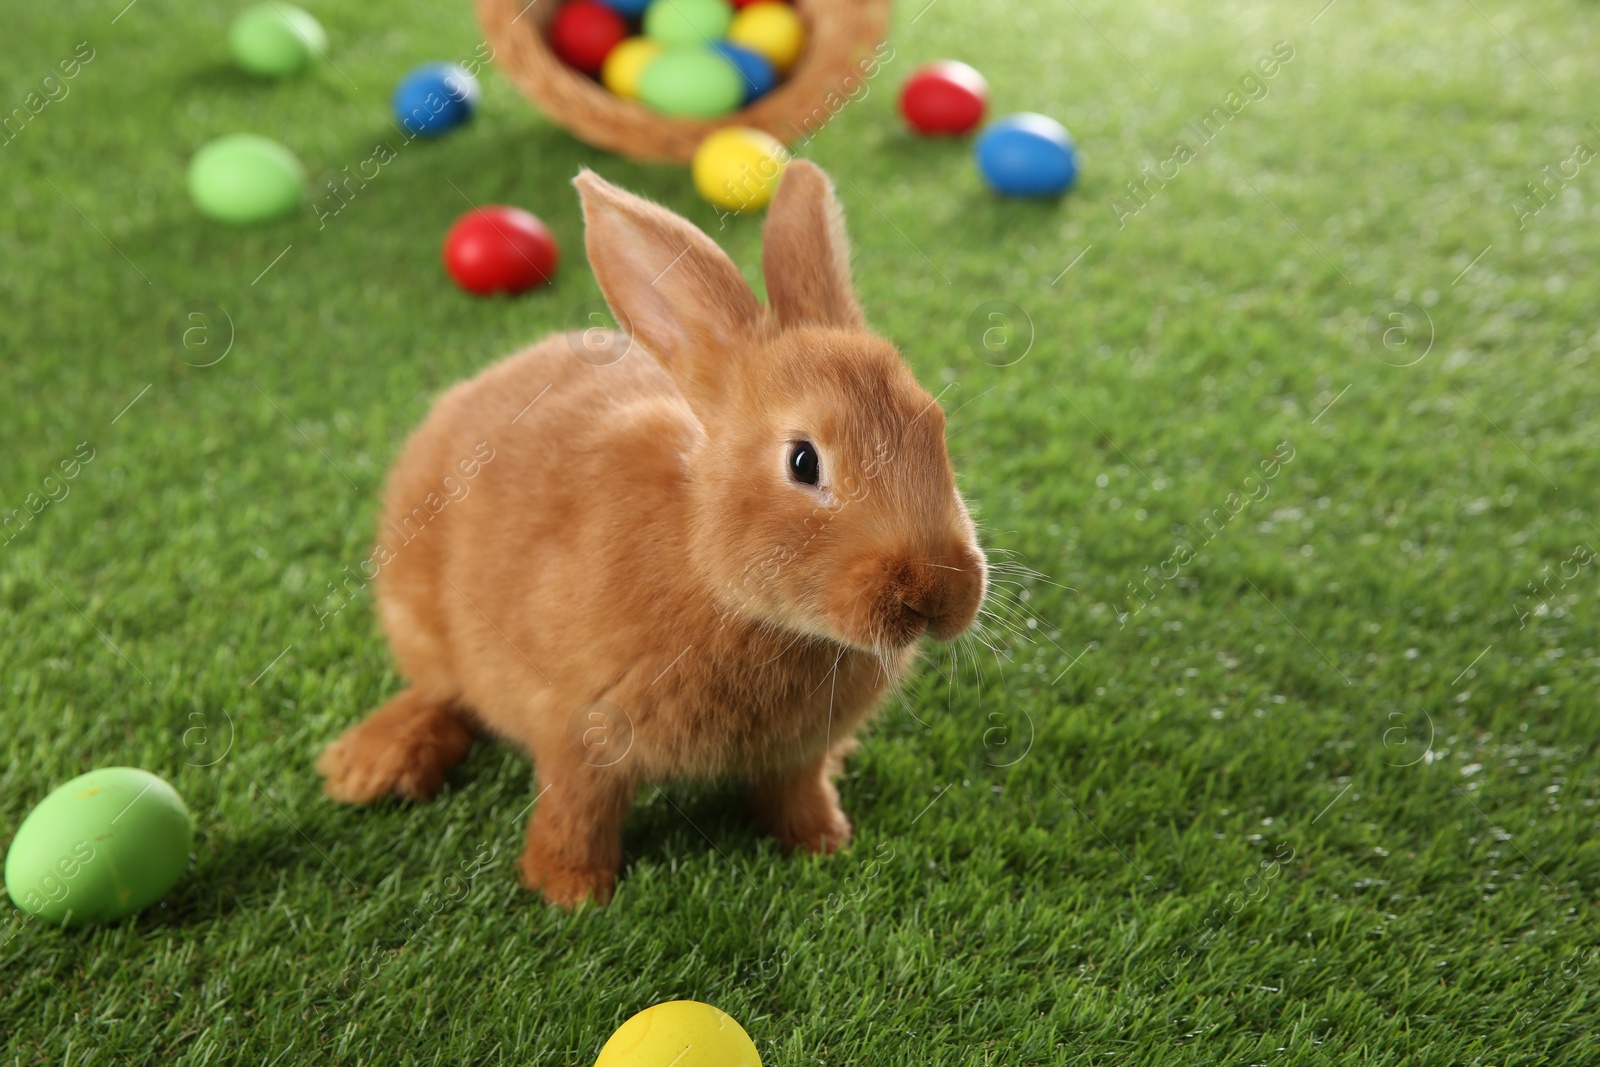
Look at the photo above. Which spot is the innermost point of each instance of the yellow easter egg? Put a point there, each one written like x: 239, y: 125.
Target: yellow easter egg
x: 772, y: 29
x: 680, y: 1033
x: 737, y: 168
x: 625, y: 65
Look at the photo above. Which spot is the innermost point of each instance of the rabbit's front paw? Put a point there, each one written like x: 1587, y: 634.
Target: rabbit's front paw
x: 404, y: 748
x: 823, y: 830
x: 566, y: 885
x: 801, y: 810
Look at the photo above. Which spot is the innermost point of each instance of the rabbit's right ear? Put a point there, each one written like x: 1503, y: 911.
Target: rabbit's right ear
x: 806, y: 258
x: 669, y: 285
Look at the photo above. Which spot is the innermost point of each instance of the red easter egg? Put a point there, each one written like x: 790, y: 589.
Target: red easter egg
x: 500, y: 250
x: 946, y: 97
x: 584, y: 32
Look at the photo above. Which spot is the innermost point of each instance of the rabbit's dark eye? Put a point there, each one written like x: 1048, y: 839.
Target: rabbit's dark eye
x: 805, y: 466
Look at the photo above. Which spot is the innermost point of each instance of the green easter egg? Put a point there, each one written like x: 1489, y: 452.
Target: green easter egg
x: 99, y: 848
x: 275, y: 39
x: 245, y: 178
x: 687, y: 22
x: 691, y: 83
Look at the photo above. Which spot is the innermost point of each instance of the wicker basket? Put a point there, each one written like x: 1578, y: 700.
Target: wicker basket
x: 841, y: 37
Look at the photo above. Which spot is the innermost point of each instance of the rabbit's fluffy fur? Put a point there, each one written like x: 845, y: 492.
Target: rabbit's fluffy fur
x: 637, y: 588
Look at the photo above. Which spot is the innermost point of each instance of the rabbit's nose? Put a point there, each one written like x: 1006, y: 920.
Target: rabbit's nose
x: 941, y: 594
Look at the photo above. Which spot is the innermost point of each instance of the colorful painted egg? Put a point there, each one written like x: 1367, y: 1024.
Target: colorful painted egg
x: 680, y: 1033
x: 435, y: 98
x: 274, y: 40
x: 773, y: 29
x: 760, y: 77
x: 625, y: 65
x: 738, y: 168
x: 244, y: 178
x: 99, y: 848
x: 1027, y: 155
x: 500, y: 250
x: 691, y: 83
x: 947, y: 97
x: 687, y: 22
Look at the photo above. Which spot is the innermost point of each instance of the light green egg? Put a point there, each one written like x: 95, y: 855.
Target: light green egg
x: 691, y: 83
x: 246, y: 178
x: 274, y: 40
x: 99, y: 848
x: 687, y: 22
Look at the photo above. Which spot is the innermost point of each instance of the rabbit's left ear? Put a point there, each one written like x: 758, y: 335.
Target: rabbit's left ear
x: 806, y: 255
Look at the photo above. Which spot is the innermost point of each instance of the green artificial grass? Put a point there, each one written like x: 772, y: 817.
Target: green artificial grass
x: 1328, y: 795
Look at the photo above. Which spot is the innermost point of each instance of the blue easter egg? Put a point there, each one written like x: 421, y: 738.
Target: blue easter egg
x: 756, y: 71
x: 435, y: 98
x: 1027, y: 155
x: 627, y: 8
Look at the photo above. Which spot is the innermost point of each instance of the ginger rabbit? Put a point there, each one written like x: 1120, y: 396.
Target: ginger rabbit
x: 703, y: 545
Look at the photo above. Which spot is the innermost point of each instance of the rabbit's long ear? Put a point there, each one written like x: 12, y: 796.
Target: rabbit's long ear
x: 806, y: 255
x: 669, y: 285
